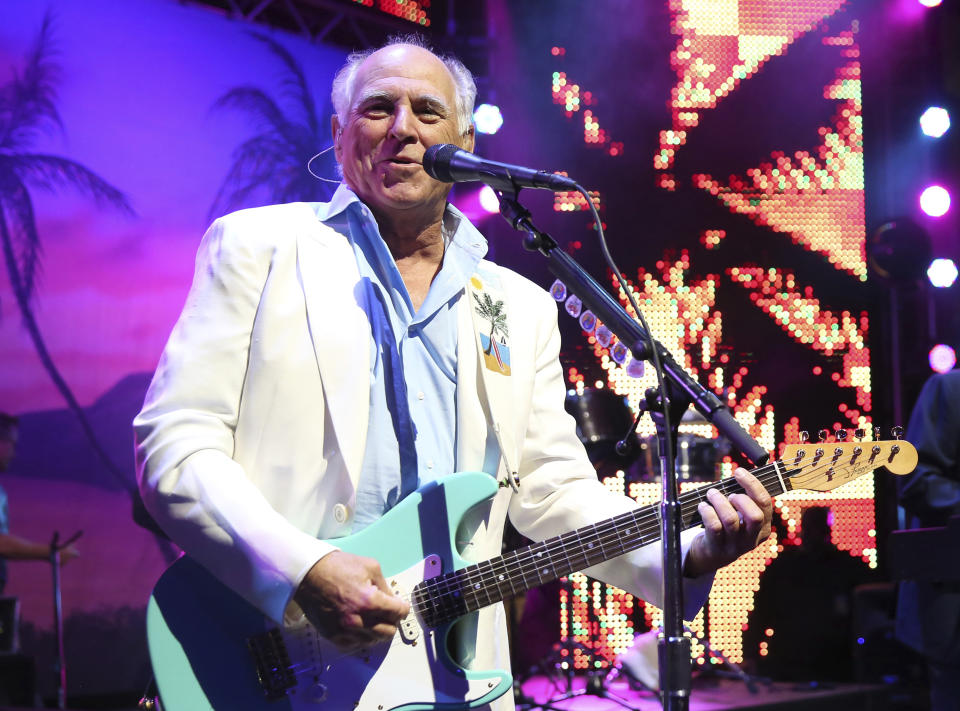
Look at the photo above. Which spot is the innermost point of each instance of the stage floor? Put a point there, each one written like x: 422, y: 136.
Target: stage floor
x: 709, y: 694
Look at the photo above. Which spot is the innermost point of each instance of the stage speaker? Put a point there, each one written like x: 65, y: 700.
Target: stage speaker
x: 9, y: 625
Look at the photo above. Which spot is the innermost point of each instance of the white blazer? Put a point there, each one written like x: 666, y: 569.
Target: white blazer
x: 250, y: 442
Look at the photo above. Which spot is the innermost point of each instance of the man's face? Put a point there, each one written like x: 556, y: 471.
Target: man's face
x: 404, y: 101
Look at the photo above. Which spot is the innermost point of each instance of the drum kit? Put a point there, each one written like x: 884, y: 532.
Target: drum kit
x: 605, y: 425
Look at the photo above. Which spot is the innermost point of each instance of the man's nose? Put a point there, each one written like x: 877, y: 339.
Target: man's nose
x: 402, y: 127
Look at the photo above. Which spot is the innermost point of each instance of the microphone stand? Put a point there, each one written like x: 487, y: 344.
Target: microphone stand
x: 682, y: 390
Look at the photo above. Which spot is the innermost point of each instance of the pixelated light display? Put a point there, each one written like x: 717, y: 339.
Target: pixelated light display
x: 722, y: 43
x: 942, y: 273
x: 942, y: 358
x: 935, y: 201
x: 935, y: 122
x: 813, y: 195
x: 415, y: 11
x: 572, y: 99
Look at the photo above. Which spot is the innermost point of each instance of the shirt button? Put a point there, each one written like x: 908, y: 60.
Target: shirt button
x: 340, y: 513
x: 429, y: 464
x: 420, y: 395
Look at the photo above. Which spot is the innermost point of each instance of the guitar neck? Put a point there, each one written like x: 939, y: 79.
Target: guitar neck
x: 447, y: 597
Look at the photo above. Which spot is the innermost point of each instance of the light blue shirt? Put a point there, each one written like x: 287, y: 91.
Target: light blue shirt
x: 411, y: 436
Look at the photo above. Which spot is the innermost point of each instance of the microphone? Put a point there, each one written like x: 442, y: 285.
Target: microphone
x: 449, y: 164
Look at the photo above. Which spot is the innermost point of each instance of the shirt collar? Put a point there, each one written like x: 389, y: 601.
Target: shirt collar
x: 456, y: 227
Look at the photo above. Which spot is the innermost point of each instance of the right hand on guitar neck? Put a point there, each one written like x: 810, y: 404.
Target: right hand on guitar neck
x: 347, y: 599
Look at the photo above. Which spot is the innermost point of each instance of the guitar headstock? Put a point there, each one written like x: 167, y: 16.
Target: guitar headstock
x: 822, y: 466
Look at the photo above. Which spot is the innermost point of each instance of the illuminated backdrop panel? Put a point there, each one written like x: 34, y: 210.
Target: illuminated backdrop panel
x: 724, y: 146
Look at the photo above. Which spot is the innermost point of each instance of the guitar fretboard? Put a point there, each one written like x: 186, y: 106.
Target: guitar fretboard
x: 447, y: 597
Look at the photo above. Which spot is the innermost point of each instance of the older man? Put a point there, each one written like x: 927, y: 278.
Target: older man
x: 331, y: 358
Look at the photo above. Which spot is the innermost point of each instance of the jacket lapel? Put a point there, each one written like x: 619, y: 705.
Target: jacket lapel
x: 340, y: 331
x: 477, y: 373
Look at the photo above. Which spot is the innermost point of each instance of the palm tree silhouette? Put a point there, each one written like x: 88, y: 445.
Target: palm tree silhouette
x: 27, y: 110
x: 493, y: 312
x: 273, y: 161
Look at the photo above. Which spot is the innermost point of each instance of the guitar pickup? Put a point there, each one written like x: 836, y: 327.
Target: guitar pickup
x: 272, y: 662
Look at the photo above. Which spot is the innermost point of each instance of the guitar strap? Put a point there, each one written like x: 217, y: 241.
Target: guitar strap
x: 491, y: 326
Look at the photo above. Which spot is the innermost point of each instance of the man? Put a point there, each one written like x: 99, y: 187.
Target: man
x: 928, y: 612
x: 332, y: 357
x: 15, y: 547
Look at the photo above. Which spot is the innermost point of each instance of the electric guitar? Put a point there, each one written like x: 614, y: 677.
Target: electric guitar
x: 211, y: 649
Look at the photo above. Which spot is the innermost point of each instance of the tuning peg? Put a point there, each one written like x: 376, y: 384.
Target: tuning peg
x: 859, y: 433
x: 804, y: 436
x: 823, y: 434
x: 896, y: 432
x: 841, y: 435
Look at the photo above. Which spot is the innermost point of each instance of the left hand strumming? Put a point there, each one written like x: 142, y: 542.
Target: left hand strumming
x: 731, y: 526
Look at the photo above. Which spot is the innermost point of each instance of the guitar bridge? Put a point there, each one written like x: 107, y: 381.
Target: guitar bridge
x: 272, y: 661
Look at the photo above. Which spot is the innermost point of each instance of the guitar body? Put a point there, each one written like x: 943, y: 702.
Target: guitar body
x: 200, y: 632
x: 212, y: 651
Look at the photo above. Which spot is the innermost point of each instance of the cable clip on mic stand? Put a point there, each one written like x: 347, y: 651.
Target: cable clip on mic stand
x: 677, y: 391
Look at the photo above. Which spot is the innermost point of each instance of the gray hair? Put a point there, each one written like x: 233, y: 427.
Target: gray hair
x: 466, y: 88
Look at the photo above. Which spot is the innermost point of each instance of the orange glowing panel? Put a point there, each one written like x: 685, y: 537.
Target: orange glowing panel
x: 724, y: 42
x: 800, y: 315
x: 816, y: 198
x: 415, y: 11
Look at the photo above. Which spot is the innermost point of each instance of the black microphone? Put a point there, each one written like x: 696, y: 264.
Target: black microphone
x: 449, y: 164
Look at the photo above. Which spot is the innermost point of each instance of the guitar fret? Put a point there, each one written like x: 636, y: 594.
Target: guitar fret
x: 448, y: 596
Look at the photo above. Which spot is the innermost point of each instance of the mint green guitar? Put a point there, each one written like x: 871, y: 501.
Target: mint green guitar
x: 211, y: 650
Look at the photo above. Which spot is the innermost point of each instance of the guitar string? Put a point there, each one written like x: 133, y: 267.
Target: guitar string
x: 470, y: 579
x: 644, y: 519
x: 527, y: 557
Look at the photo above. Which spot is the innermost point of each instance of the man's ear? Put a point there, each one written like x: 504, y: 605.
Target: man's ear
x: 336, y: 130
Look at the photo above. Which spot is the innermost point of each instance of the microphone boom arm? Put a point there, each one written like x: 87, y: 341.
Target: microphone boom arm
x: 626, y: 328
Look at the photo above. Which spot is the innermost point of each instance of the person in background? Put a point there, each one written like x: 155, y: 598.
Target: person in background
x: 14, y: 547
x: 928, y: 612
x: 817, y: 578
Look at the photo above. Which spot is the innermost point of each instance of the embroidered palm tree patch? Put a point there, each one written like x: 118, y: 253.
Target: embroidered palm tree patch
x: 496, y: 348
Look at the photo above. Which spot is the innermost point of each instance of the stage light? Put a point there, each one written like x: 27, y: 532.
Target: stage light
x: 929, y: 3
x: 942, y: 273
x: 489, y: 200
x: 942, y: 358
x: 488, y: 118
x: 935, y: 201
x: 935, y: 121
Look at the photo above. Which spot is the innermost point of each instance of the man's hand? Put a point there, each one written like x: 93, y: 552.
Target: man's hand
x: 347, y: 599
x: 731, y: 527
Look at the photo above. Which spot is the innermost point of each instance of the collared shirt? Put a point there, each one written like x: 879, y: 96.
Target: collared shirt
x: 411, y: 436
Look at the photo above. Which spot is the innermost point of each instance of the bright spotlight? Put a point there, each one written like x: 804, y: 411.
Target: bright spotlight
x: 935, y: 121
x: 935, y: 201
x: 929, y: 3
x: 942, y: 273
x: 942, y: 358
x: 488, y: 118
x: 489, y: 200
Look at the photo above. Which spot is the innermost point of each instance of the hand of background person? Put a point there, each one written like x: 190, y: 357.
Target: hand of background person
x: 347, y: 599
x: 68, y: 553
x: 731, y: 526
